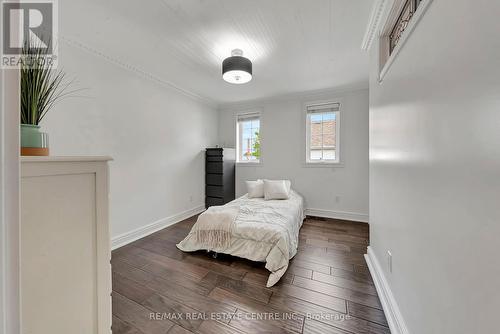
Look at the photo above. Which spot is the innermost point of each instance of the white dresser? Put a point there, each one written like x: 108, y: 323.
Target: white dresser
x: 65, y: 248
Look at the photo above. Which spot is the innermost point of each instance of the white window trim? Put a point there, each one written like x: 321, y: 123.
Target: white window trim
x: 248, y: 163
x: 325, y: 164
x: 391, y: 17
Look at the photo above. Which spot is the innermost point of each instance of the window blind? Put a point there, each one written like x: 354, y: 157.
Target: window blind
x: 321, y: 108
x: 248, y: 117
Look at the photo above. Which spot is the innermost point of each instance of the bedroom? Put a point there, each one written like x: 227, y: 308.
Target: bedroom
x: 356, y: 117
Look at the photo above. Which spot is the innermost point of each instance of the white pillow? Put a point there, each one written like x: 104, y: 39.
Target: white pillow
x: 276, y: 189
x: 255, y: 189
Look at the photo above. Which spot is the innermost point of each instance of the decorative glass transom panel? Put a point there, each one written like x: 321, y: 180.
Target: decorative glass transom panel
x: 402, y: 22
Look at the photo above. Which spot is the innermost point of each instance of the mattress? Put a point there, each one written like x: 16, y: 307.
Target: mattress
x: 264, y: 231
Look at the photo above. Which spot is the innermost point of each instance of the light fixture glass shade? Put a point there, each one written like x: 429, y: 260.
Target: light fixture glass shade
x: 237, y: 77
x: 237, y: 69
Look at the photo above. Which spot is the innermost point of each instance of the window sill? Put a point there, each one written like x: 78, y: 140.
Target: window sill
x: 249, y: 164
x: 323, y: 165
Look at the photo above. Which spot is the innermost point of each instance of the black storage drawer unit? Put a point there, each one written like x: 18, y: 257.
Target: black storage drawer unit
x: 219, y: 176
x: 215, y: 167
x: 216, y: 158
x: 211, y: 201
x: 214, y: 179
x: 214, y: 151
x: 214, y: 191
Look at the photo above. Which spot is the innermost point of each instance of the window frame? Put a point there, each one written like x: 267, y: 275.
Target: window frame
x: 338, y: 162
x: 388, y: 55
x: 238, y: 116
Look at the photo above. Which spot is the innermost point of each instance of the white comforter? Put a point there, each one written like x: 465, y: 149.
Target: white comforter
x: 264, y: 231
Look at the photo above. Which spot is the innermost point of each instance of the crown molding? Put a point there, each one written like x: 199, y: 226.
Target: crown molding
x: 297, y: 96
x: 374, y: 24
x: 138, y: 71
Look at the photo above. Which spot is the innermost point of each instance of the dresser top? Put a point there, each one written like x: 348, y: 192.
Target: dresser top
x: 65, y: 158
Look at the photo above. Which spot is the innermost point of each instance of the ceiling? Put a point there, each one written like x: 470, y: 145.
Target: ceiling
x: 295, y: 45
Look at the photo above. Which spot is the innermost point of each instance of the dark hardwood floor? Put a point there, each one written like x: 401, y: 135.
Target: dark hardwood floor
x: 327, y: 288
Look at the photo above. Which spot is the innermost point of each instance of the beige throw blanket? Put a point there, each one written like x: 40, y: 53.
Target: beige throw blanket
x: 214, y: 227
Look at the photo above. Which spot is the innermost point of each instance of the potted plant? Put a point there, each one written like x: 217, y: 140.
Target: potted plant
x: 41, y: 88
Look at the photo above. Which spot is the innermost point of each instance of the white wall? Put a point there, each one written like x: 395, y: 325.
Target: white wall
x: 155, y: 135
x: 435, y: 169
x: 337, y: 192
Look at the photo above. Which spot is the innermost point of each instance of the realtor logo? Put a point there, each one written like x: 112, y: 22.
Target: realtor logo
x: 28, y: 25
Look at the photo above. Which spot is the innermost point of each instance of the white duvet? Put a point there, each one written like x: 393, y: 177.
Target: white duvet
x: 264, y: 231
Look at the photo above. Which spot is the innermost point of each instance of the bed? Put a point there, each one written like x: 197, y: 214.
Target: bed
x: 264, y: 231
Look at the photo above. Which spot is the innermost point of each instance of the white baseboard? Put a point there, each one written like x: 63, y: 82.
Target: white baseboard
x: 394, y: 317
x: 141, y: 232
x: 359, y: 217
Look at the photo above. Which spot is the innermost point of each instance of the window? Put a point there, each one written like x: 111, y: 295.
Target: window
x: 248, y: 138
x: 402, y: 18
x: 322, y: 133
x: 409, y: 8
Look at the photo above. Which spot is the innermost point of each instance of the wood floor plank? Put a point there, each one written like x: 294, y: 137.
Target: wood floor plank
x: 176, y: 329
x: 314, y: 251
x: 298, y: 271
x: 182, y: 315
x: 179, y: 293
x: 334, y: 303
x: 313, y: 231
x: 215, y: 327
x: 238, y: 287
x: 138, y: 316
x: 367, y: 313
x: 251, y: 266
x: 176, y: 278
x: 361, y: 268
x: 248, y: 308
x: 347, y: 257
x: 352, y: 275
x: 261, y: 280
x: 345, y: 283
x: 333, y: 224
x: 327, y: 286
x: 316, y: 327
x: 308, y: 309
x: 150, y: 258
x: 327, y: 316
x: 326, y: 261
x: 131, y: 289
x: 335, y: 291
x: 362, y: 241
x: 353, y: 249
x: 160, y: 247
x: 213, y: 265
x: 310, y: 265
x: 257, y: 326
x: 126, y: 254
x: 255, y: 278
x: 120, y: 327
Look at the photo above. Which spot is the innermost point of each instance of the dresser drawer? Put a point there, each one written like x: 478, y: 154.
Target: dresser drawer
x: 215, y: 158
x: 214, y: 152
x: 211, y: 201
x: 214, y: 179
x: 214, y: 167
x: 214, y: 191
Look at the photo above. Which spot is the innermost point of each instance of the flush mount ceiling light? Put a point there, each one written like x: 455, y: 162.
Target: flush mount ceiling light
x: 237, y: 69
